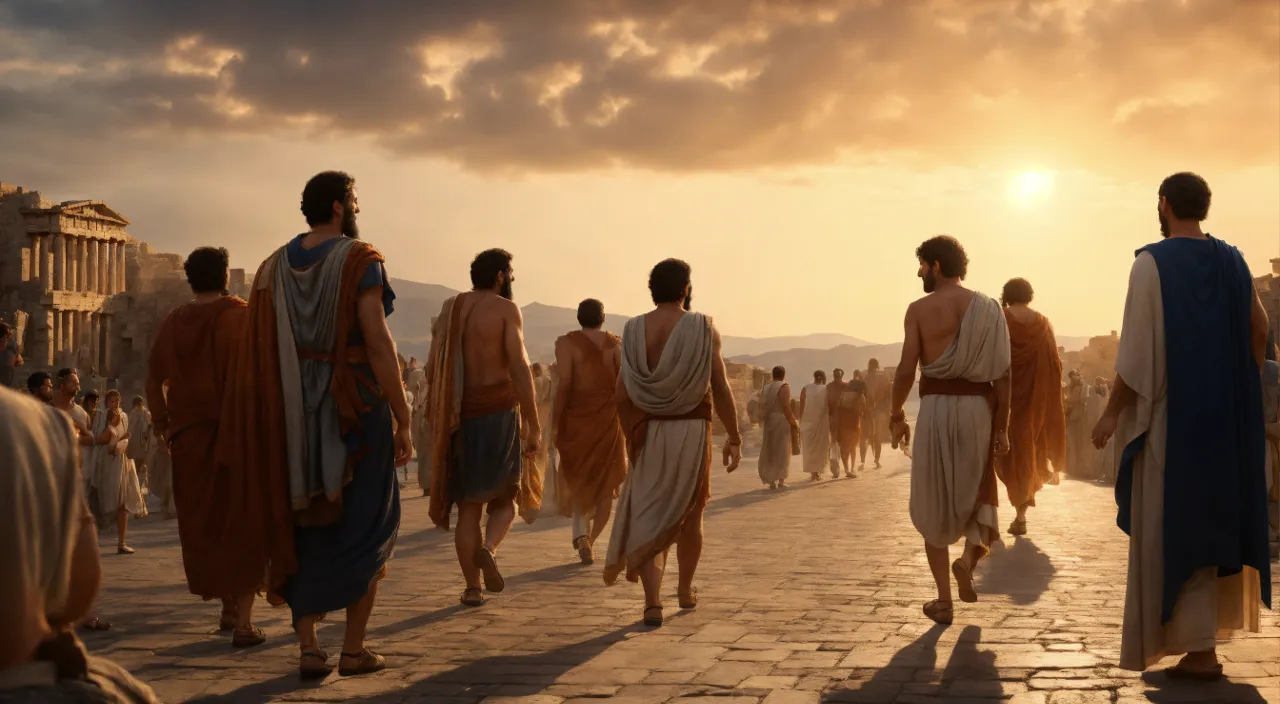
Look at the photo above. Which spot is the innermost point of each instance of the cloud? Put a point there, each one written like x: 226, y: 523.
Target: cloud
x: 569, y: 85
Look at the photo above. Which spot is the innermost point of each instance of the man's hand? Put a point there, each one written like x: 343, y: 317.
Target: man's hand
x: 899, y: 435
x: 1103, y: 431
x: 732, y: 456
x: 1002, y: 442
x: 404, y: 445
x: 532, y: 438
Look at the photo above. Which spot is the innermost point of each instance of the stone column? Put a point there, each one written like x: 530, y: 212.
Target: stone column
x: 94, y: 280
x: 70, y: 265
x: 46, y: 263
x: 35, y: 258
x: 105, y: 369
x: 59, y: 262
x: 104, y: 286
x: 75, y: 279
x: 95, y: 337
x: 82, y: 265
x: 121, y: 281
x: 111, y: 267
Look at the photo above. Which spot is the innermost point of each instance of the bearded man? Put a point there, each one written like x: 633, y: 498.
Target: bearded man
x: 483, y: 403
x: 1191, y: 485
x: 960, y: 340
x: 316, y: 391
x: 1037, y: 428
x: 672, y: 370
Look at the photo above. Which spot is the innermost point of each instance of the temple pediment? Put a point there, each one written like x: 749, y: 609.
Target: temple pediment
x: 92, y: 208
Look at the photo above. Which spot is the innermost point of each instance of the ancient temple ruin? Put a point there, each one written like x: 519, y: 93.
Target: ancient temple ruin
x: 80, y: 291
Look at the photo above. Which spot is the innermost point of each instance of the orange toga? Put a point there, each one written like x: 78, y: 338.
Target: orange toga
x: 1037, y: 425
x: 592, y: 447
x: 192, y: 353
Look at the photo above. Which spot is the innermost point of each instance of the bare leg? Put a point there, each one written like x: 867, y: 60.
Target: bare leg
x: 244, y: 611
x: 601, y: 519
x: 306, y: 630
x: 651, y: 578
x: 358, y: 621
x: 940, y: 566
x: 122, y: 528
x: 501, y: 514
x: 689, y: 551
x: 466, y: 538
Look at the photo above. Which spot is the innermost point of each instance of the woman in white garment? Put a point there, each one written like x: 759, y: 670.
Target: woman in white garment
x: 113, y: 473
x: 815, y: 427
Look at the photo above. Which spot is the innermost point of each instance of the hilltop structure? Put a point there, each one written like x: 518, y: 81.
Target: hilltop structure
x: 80, y: 291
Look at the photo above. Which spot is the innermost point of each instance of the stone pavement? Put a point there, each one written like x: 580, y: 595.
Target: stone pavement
x: 808, y: 594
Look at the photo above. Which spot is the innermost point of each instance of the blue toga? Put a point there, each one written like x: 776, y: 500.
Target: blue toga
x: 1215, y: 511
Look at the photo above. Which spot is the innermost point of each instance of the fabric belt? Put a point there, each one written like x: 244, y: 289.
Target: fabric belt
x: 480, y: 401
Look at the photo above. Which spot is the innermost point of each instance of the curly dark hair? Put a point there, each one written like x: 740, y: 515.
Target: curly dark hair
x: 1188, y: 196
x: 1017, y: 292
x: 668, y: 281
x: 487, y: 265
x: 591, y: 314
x: 322, y: 191
x: 947, y: 252
x: 206, y: 269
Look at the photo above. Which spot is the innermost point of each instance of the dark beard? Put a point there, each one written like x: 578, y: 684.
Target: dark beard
x: 1164, y: 224
x: 688, y: 302
x: 930, y: 283
x: 349, y: 227
x: 505, y: 292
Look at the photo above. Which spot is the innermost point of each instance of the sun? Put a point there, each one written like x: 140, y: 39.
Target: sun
x: 1030, y: 187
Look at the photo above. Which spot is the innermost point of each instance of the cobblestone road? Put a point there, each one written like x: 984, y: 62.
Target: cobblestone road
x: 809, y: 594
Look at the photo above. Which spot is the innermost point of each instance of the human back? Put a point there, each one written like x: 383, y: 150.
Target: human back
x: 486, y: 361
x: 940, y: 314
x: 658, y: 326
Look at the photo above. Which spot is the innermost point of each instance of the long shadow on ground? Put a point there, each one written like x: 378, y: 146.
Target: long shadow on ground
x: 1170, y: 691
x: 969, y: 672
x: 513, y: 675
x: 1023, y: 572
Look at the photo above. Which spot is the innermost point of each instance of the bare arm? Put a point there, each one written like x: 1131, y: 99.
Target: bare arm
x: 1004, y: 393
x: 382, y: 352
x: 905, y: 376
x: 721, y: 393
x: 564, y: 367
x: 1121, y: 397
x: 784, y: 398
x: 521, y: 374
x: 1258, y: 324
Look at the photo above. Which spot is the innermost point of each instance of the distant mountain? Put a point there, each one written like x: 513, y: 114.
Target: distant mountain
x: 417, y: 303
x: 804, y: 361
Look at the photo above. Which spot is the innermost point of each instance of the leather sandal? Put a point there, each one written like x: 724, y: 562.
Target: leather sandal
x: 248, y: 639
x: 689, y: 600
x: 583, y: 543
x: 488, y: 565
x: 1018, y: 527
x: 472, y: 597
x: 1181, y: 672
x: 653, y: 616
x: 314, y: 665
x: 366, y: 662
x: 939, y: 611
x: 964, y: 581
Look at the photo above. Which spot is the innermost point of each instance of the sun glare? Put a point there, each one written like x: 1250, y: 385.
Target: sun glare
x: 1030, y: 187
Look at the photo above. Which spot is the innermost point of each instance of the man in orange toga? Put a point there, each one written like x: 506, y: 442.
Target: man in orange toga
x: 191, y: 354
x: 588, y: 435
x: 1037, y: 426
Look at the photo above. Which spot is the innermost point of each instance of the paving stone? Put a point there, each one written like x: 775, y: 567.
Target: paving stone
x: 775, y: 624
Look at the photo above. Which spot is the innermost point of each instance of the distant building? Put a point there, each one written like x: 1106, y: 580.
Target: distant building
x: 1269, y: 291
x: 81, y: 291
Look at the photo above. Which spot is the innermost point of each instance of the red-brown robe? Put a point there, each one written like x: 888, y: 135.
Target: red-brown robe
x: 593, y: 450
x: 1037, y: 425
x: 252, y: 436
x: 192, y: 353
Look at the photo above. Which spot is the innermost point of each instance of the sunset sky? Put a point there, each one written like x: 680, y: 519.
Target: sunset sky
x: 795, y: 153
